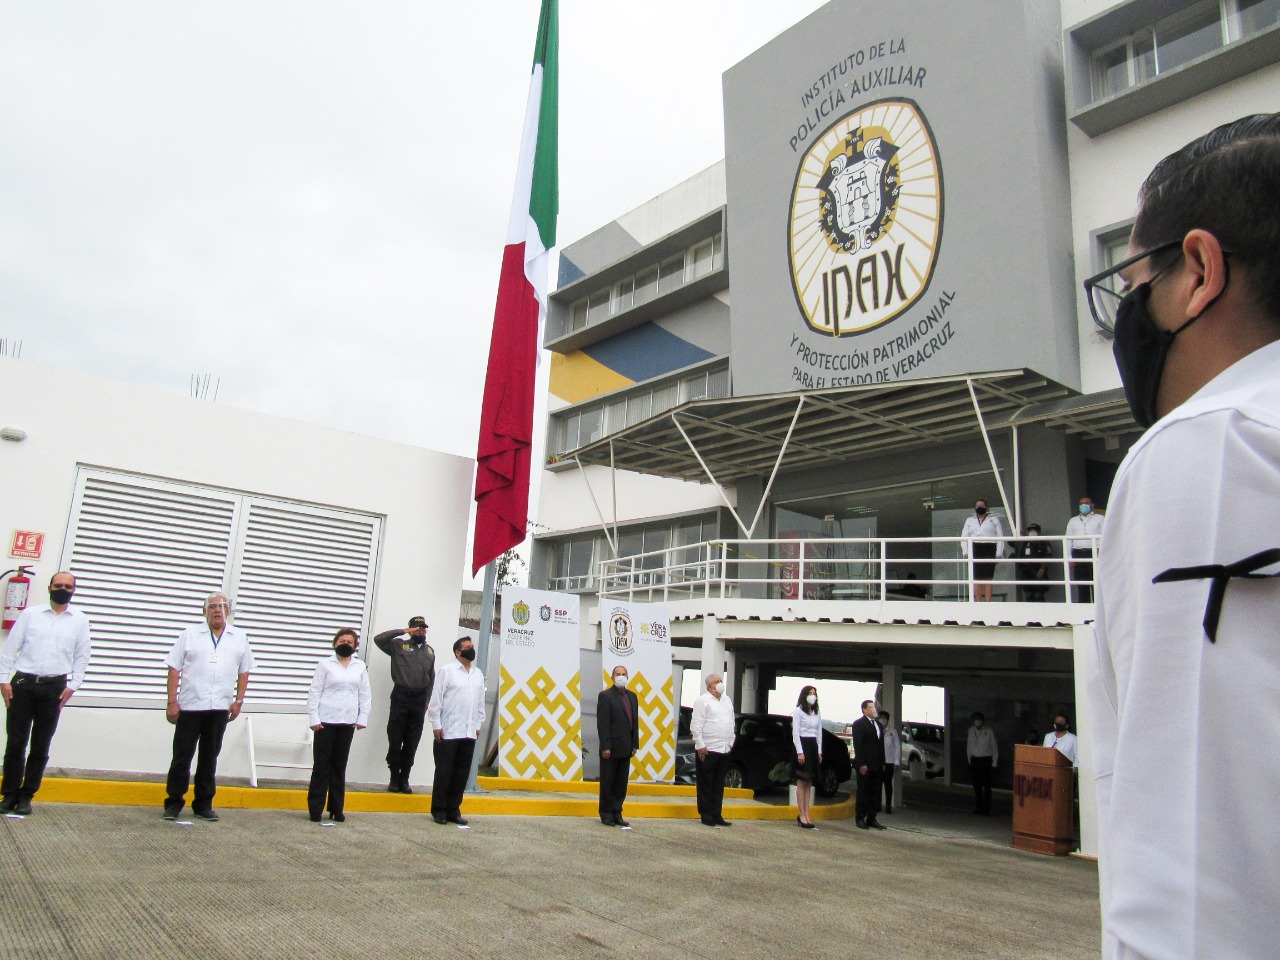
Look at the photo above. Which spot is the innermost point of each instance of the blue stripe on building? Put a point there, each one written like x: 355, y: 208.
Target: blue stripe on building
x: 647, y: 351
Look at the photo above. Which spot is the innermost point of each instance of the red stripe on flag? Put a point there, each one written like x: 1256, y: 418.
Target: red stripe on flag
x: 506, y: 416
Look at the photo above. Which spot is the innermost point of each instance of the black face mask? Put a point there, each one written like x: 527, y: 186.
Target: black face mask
x: 419, y: 641
x: 60, y: 596
x: 344, y: 649
x: 1060, y: 727
x: 468, y: 654
x: 980, y: 511
x: 1140, y: 349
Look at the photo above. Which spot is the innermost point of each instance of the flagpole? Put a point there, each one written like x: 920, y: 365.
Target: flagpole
x: 482, y: 657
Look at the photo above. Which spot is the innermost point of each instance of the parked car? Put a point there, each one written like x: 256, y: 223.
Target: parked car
x: 922, y: 750
x: 762, y: 754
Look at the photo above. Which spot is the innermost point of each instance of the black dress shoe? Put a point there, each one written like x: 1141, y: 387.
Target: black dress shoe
x: 170, y: 814
x: 862, y: 825
x: 457, y: 818
x: 809, y: 826
x: 404, y: 787
x: 608, y: 821
x: 23, y: 809
x: 338, y: 817
x: 393, y: 786
x: 723, y: 823
x: 210, y: 816
x: 620, y: 822
x: 8, y: 804
x: 314, y: 817
x: 876, y: 825
x: 438, y: 818
x: 712, y: 823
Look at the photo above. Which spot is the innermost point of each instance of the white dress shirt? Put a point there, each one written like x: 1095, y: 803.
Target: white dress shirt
x: 986, y: 530
x: 208, y: 672
x: 1186, y: 803
x: 340, y: 694
x: 712, y: 723
x: 1065, y: 745
x: 892, y: 746
x: 457, y: 702
x: 806, y: 725
x: 982, y: 743
x: 1082, y: 525
x: 48, y: 644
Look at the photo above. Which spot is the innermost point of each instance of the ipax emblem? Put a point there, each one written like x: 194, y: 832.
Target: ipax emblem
x: 866, y: 219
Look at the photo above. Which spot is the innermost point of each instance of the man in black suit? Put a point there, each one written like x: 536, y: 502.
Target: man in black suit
x: 618, y: 724
x: 868, y: 760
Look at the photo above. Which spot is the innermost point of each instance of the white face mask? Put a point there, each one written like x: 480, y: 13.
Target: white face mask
x: 719, y: 687
x: 811, y: 699
x: 620, y: 680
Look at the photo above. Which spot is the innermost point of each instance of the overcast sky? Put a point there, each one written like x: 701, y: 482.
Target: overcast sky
x: 308, y: 199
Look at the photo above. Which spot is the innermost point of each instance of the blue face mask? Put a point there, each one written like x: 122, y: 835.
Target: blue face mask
x: 1086, y: 509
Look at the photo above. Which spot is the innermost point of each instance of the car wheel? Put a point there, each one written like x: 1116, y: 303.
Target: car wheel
x: 735, y: 777
x: 915, y: 767
x: 828, y: 781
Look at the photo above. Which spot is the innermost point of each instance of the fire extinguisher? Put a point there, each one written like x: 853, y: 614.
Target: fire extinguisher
x: 15, y: 594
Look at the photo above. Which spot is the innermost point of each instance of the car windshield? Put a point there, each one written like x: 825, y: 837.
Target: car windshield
x: 926, y: 733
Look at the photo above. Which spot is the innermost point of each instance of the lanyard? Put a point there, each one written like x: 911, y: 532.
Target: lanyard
x: 216, y: 639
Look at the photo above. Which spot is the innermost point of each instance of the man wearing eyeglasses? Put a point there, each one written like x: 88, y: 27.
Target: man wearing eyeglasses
x: 1185, y: 636
x: 209, y: 669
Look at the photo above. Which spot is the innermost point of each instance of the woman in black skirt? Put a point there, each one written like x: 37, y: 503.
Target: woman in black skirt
x: 806, y: 737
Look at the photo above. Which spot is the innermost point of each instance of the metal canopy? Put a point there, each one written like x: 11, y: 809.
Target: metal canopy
x: 744, y: 436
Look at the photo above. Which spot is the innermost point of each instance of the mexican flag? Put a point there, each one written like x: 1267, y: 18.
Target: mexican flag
x: 506, y: 417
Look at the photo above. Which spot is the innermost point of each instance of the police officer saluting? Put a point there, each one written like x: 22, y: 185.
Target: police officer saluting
x: 413, y: 673
x: 44, y: 662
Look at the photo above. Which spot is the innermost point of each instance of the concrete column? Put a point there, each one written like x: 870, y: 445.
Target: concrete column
x: 1082, y: 636
x: 891, y: 700
x: 732, y: 680
x: 712, y: 651
x: 748, y: 696
x: 946, y: 735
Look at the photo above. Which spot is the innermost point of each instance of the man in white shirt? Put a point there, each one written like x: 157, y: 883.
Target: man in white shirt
x: 712, y: 729
x: 1185, y: 636
x: 209, y: 669
x: 1062, y: 739
x: 892, y: 757
x: 44, y: 663
x: 456, y: 714
x: 1087, y: 523
x: 983, y: 753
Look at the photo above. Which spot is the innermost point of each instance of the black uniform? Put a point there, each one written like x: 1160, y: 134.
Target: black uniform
x: 413, y: 673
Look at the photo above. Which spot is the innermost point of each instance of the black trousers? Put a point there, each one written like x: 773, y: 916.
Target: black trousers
x: 330, y: 748
x: 886, y: 775
x: 709, y: 779
x: 980, y: 774
x: 404, y: 729
x: 32, y: 719
x: 1082, y: 569
x: 201, y: 729
x: 868, y: 794
x: 453, y: 767
x: 613, y: 785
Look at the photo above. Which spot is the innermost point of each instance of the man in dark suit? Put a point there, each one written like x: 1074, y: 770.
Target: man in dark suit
x: 868, y: 760
x: 618, y: 724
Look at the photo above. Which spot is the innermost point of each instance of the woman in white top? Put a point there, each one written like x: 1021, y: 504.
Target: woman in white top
x: 338, y: 706
x: 806, y: 737
x: 986, y: 551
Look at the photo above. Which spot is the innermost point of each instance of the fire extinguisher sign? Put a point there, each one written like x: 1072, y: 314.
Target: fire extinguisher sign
x: 27, y: 544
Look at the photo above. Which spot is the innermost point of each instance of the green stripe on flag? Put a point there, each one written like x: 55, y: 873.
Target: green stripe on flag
x: 544, y: 199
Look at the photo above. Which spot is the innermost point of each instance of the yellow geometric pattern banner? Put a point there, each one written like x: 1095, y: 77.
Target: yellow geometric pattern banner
x: 656, y: 758
x: 541, y: 728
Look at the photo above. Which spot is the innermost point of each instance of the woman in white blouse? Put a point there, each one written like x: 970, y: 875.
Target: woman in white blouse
x: 338, y: 706
x: 806, y: 737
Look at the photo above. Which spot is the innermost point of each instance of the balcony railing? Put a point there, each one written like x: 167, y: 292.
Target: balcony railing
x: 917, y: 569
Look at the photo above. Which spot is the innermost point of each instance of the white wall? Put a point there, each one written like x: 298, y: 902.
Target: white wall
x: 565, y: 498
x: 674, y: 208
x: 74, y: 420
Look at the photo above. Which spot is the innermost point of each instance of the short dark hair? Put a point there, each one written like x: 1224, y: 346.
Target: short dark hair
x: 867, y: 703
x: 347, y: 632
x: 977, y: 715
x: 457, y: 644
x: 1224, y: 182
x: 886, y: 714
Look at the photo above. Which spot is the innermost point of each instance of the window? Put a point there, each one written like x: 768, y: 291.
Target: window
x: 598, y: 306
x: 622, y: 294
x: 646, y: 285
x: 590, y: 426
x: 671, y: 273
x: 718, y: 384
x: 702, y: 259
x: 1110, y: 247
x: 148, y: 552
x: 665, y: 397
x: 578, y: 320
x: 1177, y: 40
x: 638, y: 408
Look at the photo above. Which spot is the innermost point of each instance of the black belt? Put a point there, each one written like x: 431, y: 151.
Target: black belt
x: 1221, y: 574
x: 36, y: 678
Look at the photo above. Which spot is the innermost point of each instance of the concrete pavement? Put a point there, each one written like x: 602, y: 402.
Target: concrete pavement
x: 87, y: 882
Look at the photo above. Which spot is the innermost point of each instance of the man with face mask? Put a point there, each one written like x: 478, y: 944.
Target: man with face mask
x: 1062, y: 739
x: 44, y: 662
x: 413, y: 674
x: 618, y: 726
x: 1032, y: 566
x: 456, y: 713
x: 983, y: 753
x: 711, y: 726
x: 1086, y: 524
x: 1185, y: 630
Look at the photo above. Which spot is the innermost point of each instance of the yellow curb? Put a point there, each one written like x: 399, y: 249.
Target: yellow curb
x: 634, y: 788
x: 134, y: 794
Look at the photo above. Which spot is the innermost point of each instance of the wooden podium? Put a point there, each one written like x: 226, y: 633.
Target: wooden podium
x: 1043, y: 804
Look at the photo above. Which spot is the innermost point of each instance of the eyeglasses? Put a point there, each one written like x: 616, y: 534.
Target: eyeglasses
x: 1107, y: 289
